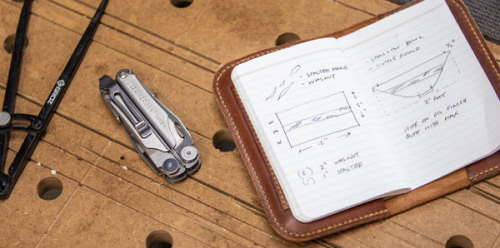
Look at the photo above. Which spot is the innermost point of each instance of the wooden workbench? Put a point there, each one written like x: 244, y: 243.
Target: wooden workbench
x: 110, y: 198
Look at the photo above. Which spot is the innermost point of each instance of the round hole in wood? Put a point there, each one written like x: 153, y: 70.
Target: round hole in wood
x: 10, y: 42
x: 459, y: 241
x: 181, y: 3
x: 223, y: 141
x: 286, y: 38
x: 49, y: 188
x: 159, y: 239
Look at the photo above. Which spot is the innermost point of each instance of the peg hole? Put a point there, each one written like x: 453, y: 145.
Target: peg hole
x: 10, y: 42
x: 49, y: 188
x: 181, y: 3
x: 286, y: 38
x: 223, y: 141
x: 459, y: 241
x: 159, y: 239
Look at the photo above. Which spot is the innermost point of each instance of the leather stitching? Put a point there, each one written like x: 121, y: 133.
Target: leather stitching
x: 483, y: 173
x: 282, y: 198
x: 257, y: 180
x: 476, y: 36
x: 256, y: 177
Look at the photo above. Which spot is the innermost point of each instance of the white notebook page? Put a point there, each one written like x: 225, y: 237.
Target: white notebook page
x: 315, y: 128
x: 332, y: 114
x: 437, y: 107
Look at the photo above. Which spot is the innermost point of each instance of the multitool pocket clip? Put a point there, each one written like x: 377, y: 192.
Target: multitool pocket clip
x: 157, y: 134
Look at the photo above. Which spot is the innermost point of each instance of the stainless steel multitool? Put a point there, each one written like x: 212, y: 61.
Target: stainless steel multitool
x: 156, y: 133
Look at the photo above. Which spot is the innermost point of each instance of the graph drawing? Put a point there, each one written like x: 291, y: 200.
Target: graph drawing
x: 317, y: 118
x: 418, y: 81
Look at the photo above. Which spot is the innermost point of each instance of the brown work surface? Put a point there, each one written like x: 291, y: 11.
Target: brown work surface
x: 110, y: 198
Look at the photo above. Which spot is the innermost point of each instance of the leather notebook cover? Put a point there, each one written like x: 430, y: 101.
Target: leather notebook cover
x: 268, y: 188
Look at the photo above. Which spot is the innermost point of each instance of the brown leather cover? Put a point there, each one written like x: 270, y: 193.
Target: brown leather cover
x: 266, y: 184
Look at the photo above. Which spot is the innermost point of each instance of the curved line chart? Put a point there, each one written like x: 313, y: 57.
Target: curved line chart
x: 417, y: 81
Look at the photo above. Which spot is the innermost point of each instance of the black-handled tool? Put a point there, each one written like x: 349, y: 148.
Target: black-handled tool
x: 37, y: 124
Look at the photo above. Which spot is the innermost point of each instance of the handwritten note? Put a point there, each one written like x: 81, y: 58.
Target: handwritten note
x: 303, y: 105
x: 431, y: 94
x: 382, y: 110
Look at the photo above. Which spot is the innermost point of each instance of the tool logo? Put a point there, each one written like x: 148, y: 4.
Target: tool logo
x: 56, y: 91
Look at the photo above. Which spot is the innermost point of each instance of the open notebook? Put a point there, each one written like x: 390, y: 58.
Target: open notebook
x: 381, y: 111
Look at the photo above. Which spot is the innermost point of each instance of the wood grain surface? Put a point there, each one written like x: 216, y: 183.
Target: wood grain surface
x: 110, y: 198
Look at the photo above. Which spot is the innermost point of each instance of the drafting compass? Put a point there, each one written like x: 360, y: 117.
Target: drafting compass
x: 37, y: 125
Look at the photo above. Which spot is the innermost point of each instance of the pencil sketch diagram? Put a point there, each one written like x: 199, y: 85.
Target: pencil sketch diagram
x: 417, y: 81
x: 317, y: 118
